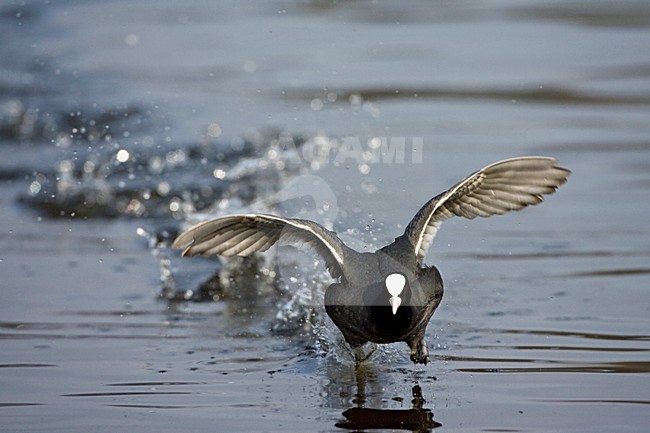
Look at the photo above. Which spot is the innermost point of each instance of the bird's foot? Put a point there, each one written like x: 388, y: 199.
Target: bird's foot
x: 420, y: 353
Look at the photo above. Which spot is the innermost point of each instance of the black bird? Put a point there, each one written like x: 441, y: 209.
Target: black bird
x: 389, y: 295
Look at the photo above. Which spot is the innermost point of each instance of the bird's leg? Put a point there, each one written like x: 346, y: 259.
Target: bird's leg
x: 419, y: 352
x: 360, y: 356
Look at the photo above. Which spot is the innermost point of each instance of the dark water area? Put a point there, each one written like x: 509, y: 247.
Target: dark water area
x: 121, y: 123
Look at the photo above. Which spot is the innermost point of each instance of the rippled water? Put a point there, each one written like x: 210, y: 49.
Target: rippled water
x: 119, y: 123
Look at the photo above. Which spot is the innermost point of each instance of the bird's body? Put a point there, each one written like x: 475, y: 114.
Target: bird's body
x: 364, y: 302
x: 360, y: 308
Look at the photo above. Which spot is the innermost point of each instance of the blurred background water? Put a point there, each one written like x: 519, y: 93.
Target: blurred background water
x: 120, y: 121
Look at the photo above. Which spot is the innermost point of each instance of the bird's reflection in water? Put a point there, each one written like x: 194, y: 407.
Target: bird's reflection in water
x: 416, y: 419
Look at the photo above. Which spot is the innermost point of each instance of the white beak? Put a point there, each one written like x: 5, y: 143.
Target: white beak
x: 395, y: 302
x: 395, y: 284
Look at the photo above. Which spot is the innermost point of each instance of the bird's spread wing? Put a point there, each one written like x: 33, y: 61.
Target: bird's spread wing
x: 243, y: 235
x: 507, y: 185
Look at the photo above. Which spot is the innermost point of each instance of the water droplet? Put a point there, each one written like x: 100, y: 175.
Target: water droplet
x: 214, y: 130
x: 122, y: 155
x: 316, y: 104
x: 35, y: 187
x: 219, y: 173
x: 131, y: 39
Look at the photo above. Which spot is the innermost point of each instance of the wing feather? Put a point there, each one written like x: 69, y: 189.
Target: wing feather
x: 504, y: 186
x: 245, y: 234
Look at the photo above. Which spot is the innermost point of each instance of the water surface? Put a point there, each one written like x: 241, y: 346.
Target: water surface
x: 118, y: 122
